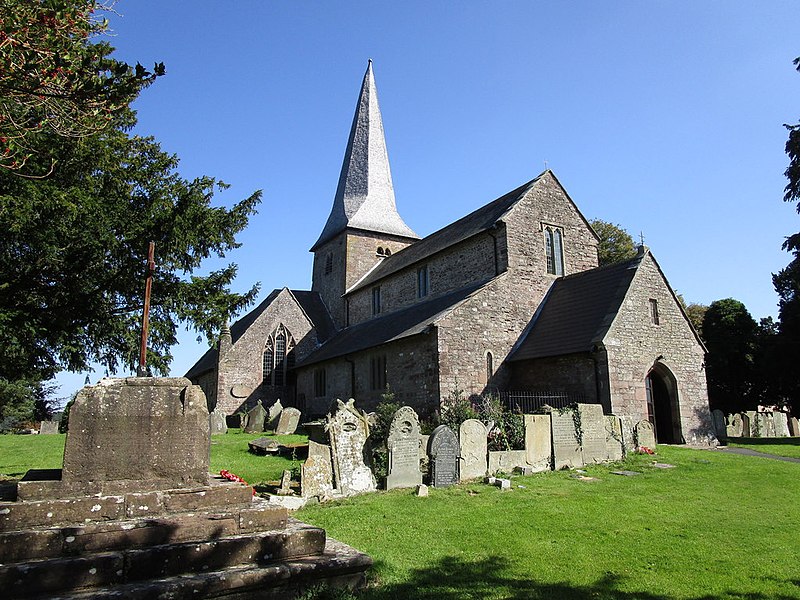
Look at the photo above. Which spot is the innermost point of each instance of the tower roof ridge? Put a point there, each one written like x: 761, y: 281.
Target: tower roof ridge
x: 365, y: 194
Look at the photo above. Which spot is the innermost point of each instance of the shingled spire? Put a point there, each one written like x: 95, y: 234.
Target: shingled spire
x: 365, y: 195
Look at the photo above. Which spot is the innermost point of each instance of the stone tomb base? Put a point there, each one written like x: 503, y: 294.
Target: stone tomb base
x: 138, y: 537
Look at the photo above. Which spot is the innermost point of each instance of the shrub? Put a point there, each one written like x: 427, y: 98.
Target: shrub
x: 379, y: 433
x: 456, y: 409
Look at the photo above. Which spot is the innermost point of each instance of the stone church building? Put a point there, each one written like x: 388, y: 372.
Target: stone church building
x: 509, y: 297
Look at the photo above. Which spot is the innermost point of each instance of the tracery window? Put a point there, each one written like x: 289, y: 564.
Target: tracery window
x: 278, y: 356
x: 554, y: 250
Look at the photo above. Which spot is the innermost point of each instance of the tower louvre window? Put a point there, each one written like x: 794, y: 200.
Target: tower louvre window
x: 329, y: 263
x: 278, y: 356
x: 554, y: 250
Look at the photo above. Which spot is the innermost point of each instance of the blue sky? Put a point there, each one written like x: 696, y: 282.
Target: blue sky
x: 663, y: 117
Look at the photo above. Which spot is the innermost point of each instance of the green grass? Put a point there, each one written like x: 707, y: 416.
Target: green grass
x: 717, y: 526
x: 18, y: 453
x: 780, y: 446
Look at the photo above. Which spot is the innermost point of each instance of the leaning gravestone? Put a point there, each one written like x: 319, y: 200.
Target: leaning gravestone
x: 566, y: 443
x: 720, y: 428
x: 254, y: 421
x: 288, y: 421
x: 538, y: 448
x: 734, y: 428
x: 443, y: 451
x: 472, y: 462
x: 403, y: 446
x: 348, y: 430
x: 216, y: 422
x: 614, y: 444
x: 628, y: 434
x: 794, y: 427
x: 768, y: 422
x: 316, y: 474
x: 593, y: 439
x: 273, y: 414
x: 781, y: 423
x: 754, y: 430
x: 745, y: 424
x: 645, y: 436
x: 48, y: 427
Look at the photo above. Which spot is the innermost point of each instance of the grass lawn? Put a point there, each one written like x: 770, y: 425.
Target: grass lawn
x: 716, y: 526
x: 18, y: 453
x: 780, y: 446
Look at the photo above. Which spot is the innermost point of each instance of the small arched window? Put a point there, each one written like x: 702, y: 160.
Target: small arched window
x: 278, y: 356
x: 553, y: 249
x: 489, y: 366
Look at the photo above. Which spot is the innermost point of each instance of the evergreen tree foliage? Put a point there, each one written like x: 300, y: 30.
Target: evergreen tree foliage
x: 616, y: 244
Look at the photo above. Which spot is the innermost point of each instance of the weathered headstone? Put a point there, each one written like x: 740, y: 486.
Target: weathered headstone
x: 285, y: 488
x: 48, y: 427
x: 288, y: 421
x: 628, y: 434
x: 794, y: 427
x: 645, y: 436
x: 117, y: 432
x: 348, y: 431
x: 273, y: 414
x: 216, y: 422
x: 538, y: 443
x: 566, y: 444
x: 614, y: 444
x: 317, y: 472
x: 768, y: 424
x: 755, y: 424
x: 781, y: 423
x: 734, y: 428
x: 473, y: 456
x: 746, y: 430
x: 593, y: 438
x: 404, y: 450
x: 254, y: 421
x: 443, y: 451
x: 720, y: 428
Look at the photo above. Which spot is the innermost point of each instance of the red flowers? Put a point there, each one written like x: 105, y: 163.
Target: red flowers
x: 644, y: 450
x: 231, y: 477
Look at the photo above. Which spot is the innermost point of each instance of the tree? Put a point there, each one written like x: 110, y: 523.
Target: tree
x: 787, y: 281
x: 696, y: 313
x: 730, y: 334
x: 54, y: 78
x: 616, y: 244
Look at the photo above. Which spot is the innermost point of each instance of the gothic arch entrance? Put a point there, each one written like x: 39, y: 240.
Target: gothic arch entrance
x: 662, y: 405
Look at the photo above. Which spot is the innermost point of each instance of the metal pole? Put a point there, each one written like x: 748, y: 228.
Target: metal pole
x: 151, y: 266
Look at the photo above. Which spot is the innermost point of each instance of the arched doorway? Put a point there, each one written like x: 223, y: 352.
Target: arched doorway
x: 662, y: 405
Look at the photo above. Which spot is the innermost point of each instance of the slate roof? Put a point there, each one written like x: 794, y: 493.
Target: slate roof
x: 310, y: 302
x: 474, y: 223
x: 577, y: 312
x: 396, y: 325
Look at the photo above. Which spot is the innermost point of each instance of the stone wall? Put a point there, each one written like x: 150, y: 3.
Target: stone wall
x: 411, y: 373
x: 574, y: 374
x: 635, y: 344
x: 239, y: 383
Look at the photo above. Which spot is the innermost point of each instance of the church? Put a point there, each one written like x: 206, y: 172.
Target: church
x: 509, y: 298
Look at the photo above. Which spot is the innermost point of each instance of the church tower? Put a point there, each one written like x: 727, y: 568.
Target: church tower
x: 364, y: 226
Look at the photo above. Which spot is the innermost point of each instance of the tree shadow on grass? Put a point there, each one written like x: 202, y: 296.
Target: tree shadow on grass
x: 456, y: 579
x: 777, y: 441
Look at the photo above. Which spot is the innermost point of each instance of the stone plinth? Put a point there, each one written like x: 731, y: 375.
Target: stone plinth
x: 151, y: 430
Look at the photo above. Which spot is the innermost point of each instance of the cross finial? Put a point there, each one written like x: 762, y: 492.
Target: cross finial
x: 641, y: 238
x: 545, y: 164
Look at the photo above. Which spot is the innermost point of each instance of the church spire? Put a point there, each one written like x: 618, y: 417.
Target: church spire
x: 365, y: 195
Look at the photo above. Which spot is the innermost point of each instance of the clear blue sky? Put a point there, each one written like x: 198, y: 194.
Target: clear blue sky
x: 663, y: 117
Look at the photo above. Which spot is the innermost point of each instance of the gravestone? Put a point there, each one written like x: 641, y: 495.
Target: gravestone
x: 745, y: 424
x: 288, y: 421
x: 263, y: 446
x: 216, y: 422
x: 48, y: 427
x: 720, y: 428
x: 443, y: 451
x: 117, y: 433
x: 794, y: 427
x: 473, y: 456
x: 317, y: 472
x: 566, y: 445
x: 614, y: 443
x: 538, y: 443
x: 404, y: 450
x: 768, y: 423
x: 273, y: 414
x: 628, y: 434
x: 734, y: 428
x: 781, y: 422
x: 754, y: 429
x: 593, y: 439
x: 645, y: 436
x: 348, y: 430
x: 254, y: 420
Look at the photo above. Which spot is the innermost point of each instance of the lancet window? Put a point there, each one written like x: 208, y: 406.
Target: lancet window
x: 553, y: 248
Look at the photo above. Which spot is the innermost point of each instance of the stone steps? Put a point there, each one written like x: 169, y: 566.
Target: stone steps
x: 105, y: 569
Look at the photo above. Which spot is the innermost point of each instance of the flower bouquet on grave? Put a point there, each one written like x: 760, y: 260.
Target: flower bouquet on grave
x: 231, y: 477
